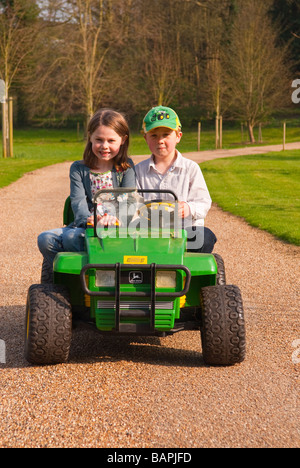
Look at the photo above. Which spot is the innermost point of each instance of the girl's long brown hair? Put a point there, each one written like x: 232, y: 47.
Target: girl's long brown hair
x: 118, y: 123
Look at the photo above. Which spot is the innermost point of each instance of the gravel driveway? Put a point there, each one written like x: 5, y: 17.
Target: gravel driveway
x: 149, y: 392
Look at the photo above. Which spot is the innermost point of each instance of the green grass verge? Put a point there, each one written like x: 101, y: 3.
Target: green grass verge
x: 262, y: 189
x: 34, y: 149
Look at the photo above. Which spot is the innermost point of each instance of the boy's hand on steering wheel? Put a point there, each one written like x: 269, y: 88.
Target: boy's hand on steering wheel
x: 183, y: 210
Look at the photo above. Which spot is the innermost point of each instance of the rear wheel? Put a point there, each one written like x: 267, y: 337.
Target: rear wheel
x: 48, y: 324
x: 222, y: 325
x: 47, y: 272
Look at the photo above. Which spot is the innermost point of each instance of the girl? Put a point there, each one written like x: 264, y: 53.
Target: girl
x: 105, y: 164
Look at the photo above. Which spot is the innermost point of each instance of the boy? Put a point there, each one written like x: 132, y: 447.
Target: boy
x: 168, y: 169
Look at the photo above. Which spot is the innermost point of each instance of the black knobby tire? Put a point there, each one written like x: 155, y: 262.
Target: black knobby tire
x: 221, y: 276
x: 223, y: 325
x: 47, y: 273
x: 48, y: 327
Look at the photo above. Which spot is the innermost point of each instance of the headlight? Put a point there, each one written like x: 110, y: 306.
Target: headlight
x: 166, y: 279
x: 105, y: 278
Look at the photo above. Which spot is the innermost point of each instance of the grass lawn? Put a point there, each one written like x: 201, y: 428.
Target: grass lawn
x: 263, y: 189
x: 38, y: 148
x: 232, y: 138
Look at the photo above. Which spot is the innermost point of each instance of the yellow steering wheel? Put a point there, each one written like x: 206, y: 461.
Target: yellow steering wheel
x: 164, y: 207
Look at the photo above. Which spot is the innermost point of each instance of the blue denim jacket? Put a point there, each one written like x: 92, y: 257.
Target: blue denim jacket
x: 81, y: 193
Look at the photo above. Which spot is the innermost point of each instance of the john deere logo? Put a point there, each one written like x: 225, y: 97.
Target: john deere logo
x: 160, y: 116
x: 135, y: 277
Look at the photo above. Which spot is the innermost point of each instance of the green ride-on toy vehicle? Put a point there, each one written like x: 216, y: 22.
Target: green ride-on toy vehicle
x: 135, y: 278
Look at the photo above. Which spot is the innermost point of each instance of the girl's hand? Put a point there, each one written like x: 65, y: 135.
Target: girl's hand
x: 109, y: 220
x: 183, y: 210
x: 106, y: 220
x: 90, y: 220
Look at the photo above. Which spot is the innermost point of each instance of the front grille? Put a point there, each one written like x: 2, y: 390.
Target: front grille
x: 135, y: 305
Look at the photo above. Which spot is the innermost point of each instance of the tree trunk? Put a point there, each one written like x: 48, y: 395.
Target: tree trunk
x: 160, y: 98
x: 251, y: 132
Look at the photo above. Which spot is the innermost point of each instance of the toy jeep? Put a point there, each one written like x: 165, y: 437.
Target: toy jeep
x: 135, y: 278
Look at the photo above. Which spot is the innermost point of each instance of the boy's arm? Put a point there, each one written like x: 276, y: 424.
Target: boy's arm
x: 199, y: 199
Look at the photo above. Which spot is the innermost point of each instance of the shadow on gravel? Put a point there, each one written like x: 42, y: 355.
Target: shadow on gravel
x: 89, y: 346
x: 12, y: 330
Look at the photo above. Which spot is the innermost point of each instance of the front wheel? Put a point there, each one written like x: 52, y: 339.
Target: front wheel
x: 221, y: 275
x: 222, y: 325
x: 48, y: 327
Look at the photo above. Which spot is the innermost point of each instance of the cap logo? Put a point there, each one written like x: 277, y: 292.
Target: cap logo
x: 160, y: 116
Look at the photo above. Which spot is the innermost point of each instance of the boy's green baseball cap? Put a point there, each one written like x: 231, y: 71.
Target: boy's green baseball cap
x: 161, y: 117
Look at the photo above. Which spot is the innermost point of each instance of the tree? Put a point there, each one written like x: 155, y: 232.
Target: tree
x: 77, y: 68
x: 216, y: 22
x: 257, y: 72
x: 18, y: 30
x: 154, y: 47
x: 161, y: 69
x: 204, y: 57
x: 287, y: 14
x: 83, y: 51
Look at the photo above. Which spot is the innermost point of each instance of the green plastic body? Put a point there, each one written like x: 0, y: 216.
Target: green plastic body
x: 118, y: 247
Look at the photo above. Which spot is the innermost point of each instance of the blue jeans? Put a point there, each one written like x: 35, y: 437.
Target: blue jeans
x: 200, y: 239
x: 72, y: 240
x: 64, y: 239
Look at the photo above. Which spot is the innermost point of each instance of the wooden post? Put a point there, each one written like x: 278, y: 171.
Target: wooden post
x: 199, y: 136
x: 4, y: 128
x: 284, y: 135
x: 259, y: 134
x: 217, y: 132
x: 221, y: 132
x: 11, y: 126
